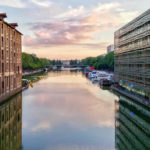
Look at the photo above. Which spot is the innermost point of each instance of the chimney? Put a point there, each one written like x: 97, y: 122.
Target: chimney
x: 14, y: 25
x: 2, y: 16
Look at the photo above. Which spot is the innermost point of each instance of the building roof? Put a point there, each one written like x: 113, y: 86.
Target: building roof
x: 12, y: 25
x: 134, y: 20
x: 137, y: 18
x: 2, y: 16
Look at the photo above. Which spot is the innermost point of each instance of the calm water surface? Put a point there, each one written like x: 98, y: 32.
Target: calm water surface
x: 65, y: 111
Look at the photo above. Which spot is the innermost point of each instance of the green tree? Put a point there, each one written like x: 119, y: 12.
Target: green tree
x: 101, y: 62
x: 31, y: 62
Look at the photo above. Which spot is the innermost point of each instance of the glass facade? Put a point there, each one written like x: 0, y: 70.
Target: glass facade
x: 132, y: 54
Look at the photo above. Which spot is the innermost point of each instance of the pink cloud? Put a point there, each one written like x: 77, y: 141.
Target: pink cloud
x: 78, y: 29
x: 60, y: 33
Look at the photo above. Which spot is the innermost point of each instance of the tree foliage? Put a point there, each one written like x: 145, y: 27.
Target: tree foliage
x: 101, y: 62
x: 75, y: 63
x: 31, y: 62
x: 56, y: 62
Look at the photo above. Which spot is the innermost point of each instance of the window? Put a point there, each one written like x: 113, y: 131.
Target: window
x: 2, y: 28
x: 18, y: 69
x: 2, y: 54
x: 2, y: 41
x: 3, y: 87
x: 2, y: 67
x: 7, y: 81
x: 148, y: 39
x: 149, y: 26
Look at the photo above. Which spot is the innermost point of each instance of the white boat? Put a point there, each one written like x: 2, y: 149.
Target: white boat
x: 93, y: 74
x: 102, y: 75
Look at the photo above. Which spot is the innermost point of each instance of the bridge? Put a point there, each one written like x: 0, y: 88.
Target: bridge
x: 67, y: 66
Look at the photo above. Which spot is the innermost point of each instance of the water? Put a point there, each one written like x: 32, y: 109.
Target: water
x: 132, y: 125
x: 65, y: 111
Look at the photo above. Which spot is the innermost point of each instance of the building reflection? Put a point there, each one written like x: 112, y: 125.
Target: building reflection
x: 132, y: 124
x: 11, y: 124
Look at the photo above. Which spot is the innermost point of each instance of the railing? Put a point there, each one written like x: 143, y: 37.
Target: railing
x: 139, y: 21
x: 134, y: 38
x: 127, y: 49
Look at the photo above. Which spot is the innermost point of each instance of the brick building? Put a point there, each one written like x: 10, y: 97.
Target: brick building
x: 10, y: 58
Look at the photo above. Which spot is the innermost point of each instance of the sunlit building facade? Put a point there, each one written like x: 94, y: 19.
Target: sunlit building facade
x: 10, y: 58
x: 132, y: 54
x: 110, y: 48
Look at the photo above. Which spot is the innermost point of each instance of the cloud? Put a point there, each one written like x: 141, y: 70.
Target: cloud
x: 41, y: 126
x: 60, y: 33
x: 79, y: 27
x: 12, y: 3
x: 72, y: 12
x: 109, y: 15
x: 43, y: 3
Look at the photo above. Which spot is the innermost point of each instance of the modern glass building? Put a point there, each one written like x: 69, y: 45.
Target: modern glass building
x: 132, y: 54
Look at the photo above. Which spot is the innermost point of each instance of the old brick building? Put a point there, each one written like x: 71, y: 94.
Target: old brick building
x: 10, y: 58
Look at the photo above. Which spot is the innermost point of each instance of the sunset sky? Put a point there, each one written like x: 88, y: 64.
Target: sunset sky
x: 70, y: 29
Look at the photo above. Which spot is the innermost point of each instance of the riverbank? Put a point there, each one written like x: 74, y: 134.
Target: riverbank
x: 131, y: 95
x: 27, y: 73
x: 28, y: 80
x: 7, y: 96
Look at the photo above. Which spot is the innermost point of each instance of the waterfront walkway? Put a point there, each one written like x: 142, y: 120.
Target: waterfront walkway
x: 26, y: 73
x: 132, y: 95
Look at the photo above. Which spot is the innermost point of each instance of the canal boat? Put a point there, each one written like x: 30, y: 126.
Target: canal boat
x: 25, y: 84
x: 100, y: 75
x: 93, y: 74
x: 105, y: 82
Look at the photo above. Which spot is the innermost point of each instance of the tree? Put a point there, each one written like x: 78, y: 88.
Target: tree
x: 101, y: 62
x: 31, y: 62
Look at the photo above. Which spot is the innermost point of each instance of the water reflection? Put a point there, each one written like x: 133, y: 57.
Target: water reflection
x: 11, y: 124
x: 132, y: 125
x: 68, y: 113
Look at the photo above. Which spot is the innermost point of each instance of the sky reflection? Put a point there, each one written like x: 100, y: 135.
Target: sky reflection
x: 65, y: 111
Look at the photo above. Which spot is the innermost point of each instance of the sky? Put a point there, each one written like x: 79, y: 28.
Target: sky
x: 70, y: 29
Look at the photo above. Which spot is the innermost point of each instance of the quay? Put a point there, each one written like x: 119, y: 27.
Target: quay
x: 134, y: 96
x: 28, y: 73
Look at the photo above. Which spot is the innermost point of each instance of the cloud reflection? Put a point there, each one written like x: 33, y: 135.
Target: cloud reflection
x: 57, y: 102
x: 66, y: 111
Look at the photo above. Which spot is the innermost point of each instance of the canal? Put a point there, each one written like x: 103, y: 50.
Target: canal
x: 65, y: 111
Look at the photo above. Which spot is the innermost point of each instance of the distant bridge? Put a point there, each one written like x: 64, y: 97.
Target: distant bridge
x: 67, y: 66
